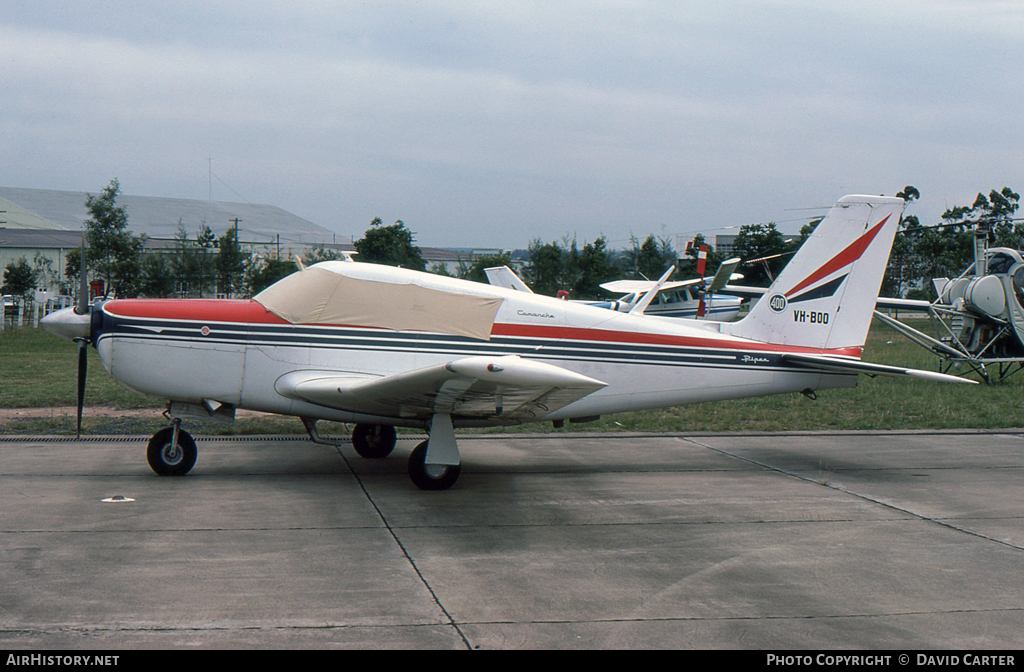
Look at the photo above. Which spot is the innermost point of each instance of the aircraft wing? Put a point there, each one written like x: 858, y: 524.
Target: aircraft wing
x: 641, y: 286
x: 843, y: 365
x: 507, y: 387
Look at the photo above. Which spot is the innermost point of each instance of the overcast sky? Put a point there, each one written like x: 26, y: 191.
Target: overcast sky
x: 490, y: 124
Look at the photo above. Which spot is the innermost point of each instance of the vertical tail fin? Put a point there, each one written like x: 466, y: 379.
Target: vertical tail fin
x: 825, y: 296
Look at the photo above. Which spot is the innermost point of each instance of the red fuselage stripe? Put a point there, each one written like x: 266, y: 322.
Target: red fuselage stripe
x: 251, y: 312
x: 849, y: 255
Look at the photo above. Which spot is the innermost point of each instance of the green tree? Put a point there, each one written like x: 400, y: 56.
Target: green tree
x: 19, y: 279
x: 761, y: 242
x: 264, y: 272
x: 477, y: 270
x: 903, y: 270
x: 230, y: 264
x: 73, y: 267
x: 545, y: 270
x: 318, y: 253
x: 112, y: 250
x: 390, y: 245
x: 206, y: 244
x: 46, y: 277
x: 439, y: 268
x: 158, y: 279
x: 185, y: 263
x: 594, y: 267
x: 649, y: 259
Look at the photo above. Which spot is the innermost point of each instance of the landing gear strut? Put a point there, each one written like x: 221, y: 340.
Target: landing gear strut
x: 172, y: 451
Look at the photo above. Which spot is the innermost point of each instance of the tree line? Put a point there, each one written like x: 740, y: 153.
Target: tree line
x: 204, y: 264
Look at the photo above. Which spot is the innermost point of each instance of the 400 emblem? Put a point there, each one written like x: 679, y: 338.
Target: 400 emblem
x: 777, y: 302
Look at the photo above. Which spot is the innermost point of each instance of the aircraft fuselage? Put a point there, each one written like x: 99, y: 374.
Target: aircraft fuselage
x: 235, y: 352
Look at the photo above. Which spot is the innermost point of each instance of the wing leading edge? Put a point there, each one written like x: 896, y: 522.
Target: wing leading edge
x: 507, y: 387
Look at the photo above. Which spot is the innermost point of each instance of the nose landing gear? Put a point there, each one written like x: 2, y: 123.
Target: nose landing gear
x: 172, y: 451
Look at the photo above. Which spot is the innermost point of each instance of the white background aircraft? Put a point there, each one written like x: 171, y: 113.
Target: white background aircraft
x: 694, y: 298
x: 383, y: 347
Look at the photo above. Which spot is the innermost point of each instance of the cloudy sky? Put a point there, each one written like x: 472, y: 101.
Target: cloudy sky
x: 490, y: 124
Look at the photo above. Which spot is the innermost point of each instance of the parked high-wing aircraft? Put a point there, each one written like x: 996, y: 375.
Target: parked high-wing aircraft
x: 694, y: 298
x: 383, y: 347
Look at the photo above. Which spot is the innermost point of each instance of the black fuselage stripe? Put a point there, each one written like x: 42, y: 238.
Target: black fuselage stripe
x: 589, y: 351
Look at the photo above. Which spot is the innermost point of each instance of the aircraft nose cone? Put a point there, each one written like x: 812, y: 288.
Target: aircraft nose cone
x: 68, y: 324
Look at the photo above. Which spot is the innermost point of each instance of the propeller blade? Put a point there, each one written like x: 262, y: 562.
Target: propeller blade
x: 82, y: 368
x: 701, y: 308
x: 83, y: 284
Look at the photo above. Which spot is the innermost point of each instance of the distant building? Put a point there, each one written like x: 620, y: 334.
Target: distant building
x: 725, y: 244
x: 43, y: 224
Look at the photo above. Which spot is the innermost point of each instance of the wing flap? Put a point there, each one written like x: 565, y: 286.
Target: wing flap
x: 505, y: 387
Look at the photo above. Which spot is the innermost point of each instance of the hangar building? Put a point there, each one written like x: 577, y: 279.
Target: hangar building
x: 48, y: 223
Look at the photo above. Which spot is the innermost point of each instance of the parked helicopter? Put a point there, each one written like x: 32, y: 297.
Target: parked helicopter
x: 979, y: 314
x: 383, y: 347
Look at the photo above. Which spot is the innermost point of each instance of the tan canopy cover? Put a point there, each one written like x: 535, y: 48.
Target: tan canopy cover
x: 319, y: 296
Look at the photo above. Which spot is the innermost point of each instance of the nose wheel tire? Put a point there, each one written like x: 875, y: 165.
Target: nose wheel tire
x: 431, y: 476
x: 169, y: 459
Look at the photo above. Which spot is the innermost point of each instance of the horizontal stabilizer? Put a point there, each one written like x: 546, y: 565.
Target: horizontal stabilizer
x: 843, y: 365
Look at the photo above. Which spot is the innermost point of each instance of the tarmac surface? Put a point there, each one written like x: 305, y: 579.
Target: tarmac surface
x: 888, y: 540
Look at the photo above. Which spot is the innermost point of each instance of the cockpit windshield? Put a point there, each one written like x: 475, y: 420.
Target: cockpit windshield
x: 1018, y: 286
x: 1001, y: 262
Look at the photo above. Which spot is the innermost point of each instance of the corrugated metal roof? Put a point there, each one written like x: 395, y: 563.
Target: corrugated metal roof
x: 159, y: 217
x: 40, y: 239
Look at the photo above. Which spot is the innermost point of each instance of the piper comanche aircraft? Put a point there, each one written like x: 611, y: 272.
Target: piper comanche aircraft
x: 384, y: 347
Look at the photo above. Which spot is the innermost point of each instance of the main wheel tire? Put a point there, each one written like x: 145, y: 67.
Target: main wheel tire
x: 374, y: 441
x: 433, y: 476
x: 171, y: 460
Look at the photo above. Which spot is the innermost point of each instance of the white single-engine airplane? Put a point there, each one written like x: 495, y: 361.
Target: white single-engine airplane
x: 383, y: 347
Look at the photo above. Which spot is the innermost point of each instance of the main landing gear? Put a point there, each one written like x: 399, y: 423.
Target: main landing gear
x: 172, y: 451
x: 433, y: 465
x: 431, y: 476
x: 374, y: 441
